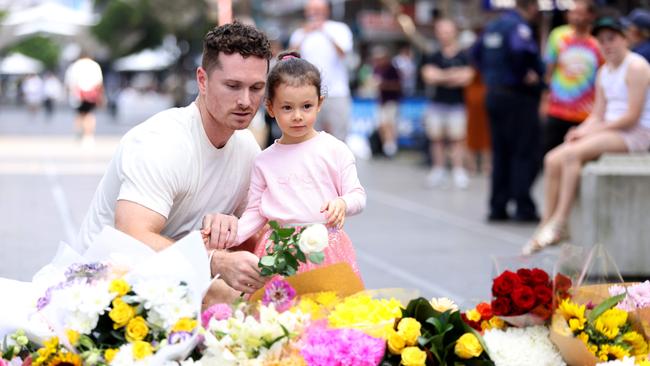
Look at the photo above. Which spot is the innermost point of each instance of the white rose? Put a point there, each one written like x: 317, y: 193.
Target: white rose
x: 313, y: 239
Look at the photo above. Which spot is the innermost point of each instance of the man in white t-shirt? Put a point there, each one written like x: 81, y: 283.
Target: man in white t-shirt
x: 326, y: 43
x: 189, y: 168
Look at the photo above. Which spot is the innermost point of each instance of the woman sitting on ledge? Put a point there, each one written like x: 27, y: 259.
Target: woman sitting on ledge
x: 619, y: 122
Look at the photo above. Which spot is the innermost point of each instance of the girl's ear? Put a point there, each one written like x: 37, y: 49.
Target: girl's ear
x: 269, y: 108
x: 320, y: 102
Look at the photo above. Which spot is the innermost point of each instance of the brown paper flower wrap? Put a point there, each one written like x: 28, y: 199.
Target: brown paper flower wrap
x: 337, y: 277
x: 573, y: 350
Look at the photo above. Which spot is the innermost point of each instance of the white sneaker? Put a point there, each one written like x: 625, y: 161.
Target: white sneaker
x: 390, y: 149
x: 461, y: 180
x: 437, y: 177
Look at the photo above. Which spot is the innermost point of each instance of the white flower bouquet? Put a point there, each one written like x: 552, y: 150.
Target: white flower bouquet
x: 120, y: 303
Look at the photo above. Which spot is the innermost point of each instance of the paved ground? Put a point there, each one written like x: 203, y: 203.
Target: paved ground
x: 435, y: 241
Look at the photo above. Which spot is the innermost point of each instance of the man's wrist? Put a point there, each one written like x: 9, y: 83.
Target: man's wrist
x: 214, y: 256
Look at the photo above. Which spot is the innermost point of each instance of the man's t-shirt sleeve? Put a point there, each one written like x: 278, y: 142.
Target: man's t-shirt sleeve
x: 152, y: 176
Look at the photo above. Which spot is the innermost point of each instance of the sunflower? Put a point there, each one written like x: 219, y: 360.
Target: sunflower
x: 574, y: 314
x: 639, y: 345
x: 610, y: 352
x: 610, y: 322
x: 66, y: 359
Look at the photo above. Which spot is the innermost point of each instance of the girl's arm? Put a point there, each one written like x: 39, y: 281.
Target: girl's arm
x: 351, y: 190
x: 252, y: 220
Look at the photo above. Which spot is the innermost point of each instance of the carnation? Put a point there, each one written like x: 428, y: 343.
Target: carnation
x: 334, y: 347
x: 528, y: 346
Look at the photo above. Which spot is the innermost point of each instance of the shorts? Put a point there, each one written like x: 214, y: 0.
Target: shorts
x: 86, y: 107
x: 388, y: 113
x: 637, y: 138
x: 446, y: 120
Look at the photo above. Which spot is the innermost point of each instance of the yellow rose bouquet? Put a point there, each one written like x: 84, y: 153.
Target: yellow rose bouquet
x: 426, y: 336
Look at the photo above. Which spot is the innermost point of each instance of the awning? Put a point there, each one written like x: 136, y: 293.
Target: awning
x: 19, y: 64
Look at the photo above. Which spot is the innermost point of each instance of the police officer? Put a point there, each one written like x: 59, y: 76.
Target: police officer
x: 509, y: 60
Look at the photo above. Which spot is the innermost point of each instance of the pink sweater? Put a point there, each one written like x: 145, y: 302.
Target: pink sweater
x: 290, y: 183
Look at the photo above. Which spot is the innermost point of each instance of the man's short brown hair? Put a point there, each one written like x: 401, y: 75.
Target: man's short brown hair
x: 233, y: 38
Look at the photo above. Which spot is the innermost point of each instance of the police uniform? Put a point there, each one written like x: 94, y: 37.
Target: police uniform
x: 505, y: 53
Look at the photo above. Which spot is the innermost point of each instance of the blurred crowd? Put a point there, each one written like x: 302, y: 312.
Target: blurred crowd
x: 490, y: 100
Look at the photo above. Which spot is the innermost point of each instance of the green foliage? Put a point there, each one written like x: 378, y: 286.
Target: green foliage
x: 283, y: 255
x: 604, y: 306
x: 39, y: 47
x: 129, y: 26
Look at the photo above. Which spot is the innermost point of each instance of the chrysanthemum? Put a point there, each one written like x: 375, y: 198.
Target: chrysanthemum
x: 443, y: 304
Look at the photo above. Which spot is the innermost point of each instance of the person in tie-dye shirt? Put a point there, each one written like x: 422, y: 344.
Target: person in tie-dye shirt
x: 572, y: 58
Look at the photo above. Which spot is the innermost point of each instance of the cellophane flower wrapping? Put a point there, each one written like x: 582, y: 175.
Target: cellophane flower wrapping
x: 75, y: 294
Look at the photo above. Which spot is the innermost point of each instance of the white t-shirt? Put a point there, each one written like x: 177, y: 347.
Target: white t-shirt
x: 168, y: 165
x: 317, y: 48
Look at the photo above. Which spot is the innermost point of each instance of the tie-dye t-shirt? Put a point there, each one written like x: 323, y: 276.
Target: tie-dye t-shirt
x: 576, y: 62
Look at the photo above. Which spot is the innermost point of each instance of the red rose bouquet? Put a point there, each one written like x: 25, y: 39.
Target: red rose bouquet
x: 527, y: 296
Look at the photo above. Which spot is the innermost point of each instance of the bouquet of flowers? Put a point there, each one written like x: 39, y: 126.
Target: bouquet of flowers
x: 481, y: 318
x: 248, y: 335
x: 527, y: 296
x: 105, y: 313
x: 426, y: 336
x: 288, y: 247
x: 606, y: 333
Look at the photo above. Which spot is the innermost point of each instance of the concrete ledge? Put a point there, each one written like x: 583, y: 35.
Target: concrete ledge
x: 613, y: 209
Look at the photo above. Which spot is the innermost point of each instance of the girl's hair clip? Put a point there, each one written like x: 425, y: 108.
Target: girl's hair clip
x: 287, y: 57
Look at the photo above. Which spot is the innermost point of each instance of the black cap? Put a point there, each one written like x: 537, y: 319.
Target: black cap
x: 607, y: 22
x: 640, y: 18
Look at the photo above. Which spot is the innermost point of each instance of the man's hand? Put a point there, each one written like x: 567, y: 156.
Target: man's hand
x: 239, y: 270
x: 219, y: 231
x: 335, y: 211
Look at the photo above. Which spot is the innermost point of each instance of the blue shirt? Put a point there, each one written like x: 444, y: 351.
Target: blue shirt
x: 506, y: 52
x: 643, y: 49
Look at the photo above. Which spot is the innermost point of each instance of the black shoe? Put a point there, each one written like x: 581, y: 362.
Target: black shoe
x: 498, y: 216
x: 527, y: 219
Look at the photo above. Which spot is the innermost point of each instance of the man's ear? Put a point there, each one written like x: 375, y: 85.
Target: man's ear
x: 201, y: 79
x: 269, y: 108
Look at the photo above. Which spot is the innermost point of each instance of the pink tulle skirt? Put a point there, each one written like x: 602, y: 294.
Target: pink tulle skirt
x: 339, y: 250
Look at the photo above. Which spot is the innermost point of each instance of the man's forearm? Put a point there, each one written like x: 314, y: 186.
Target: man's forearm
x: 155, y: 241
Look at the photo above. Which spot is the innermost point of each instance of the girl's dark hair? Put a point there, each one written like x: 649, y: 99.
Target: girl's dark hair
x: 293, y: 70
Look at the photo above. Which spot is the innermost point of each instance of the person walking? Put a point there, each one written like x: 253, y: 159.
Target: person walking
x: 509, y: 60
x: 326, y: 44
x: 572, y: 58
x: 85, y: 82
x: 390, y: 93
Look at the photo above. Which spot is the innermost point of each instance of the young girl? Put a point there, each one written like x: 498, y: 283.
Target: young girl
x: 305, y: 176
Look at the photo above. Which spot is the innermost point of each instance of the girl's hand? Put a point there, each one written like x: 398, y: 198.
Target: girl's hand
x: 335, y: 212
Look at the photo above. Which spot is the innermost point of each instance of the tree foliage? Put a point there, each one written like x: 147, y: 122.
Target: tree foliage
x: 129, y: 26
x: 39, y: 47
